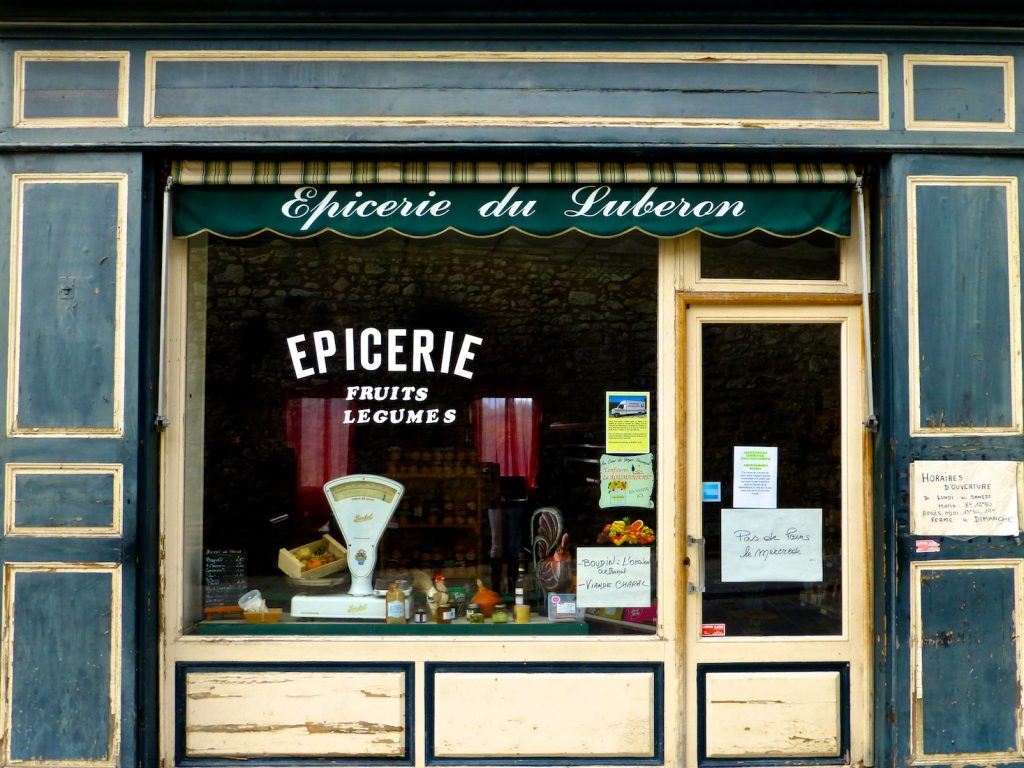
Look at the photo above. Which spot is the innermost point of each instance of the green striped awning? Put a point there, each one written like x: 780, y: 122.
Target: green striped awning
x: 422, y: 199
x: 344, y: 172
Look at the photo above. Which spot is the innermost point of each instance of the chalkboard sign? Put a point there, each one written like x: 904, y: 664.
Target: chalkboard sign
x: 224, y: 577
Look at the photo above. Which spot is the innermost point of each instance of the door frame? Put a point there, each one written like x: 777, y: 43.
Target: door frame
x: 857, y: 641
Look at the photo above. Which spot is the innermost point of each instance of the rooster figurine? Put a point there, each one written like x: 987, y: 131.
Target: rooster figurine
x: 551, y: 559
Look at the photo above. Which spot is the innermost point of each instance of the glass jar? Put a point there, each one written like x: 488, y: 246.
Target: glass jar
x: 474, y: 615
x: 500, y: 615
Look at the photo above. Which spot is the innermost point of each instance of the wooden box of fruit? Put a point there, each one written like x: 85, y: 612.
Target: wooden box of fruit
x: 314, y: 560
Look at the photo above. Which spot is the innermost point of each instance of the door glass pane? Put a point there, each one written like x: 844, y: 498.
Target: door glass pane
x: 759, y: 256
x: 773, y: 385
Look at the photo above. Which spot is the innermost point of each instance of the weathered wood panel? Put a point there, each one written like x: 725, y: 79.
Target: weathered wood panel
x: 262, y: 88
x: 62, y: 653
x: 69, y: 499
x: 951, y: 93
x: 543, y: 714
x: 68, y: 345
x: 962, y: 94
x: 773, y: 714
x: 249, y: 714
x: 64, y: 89
x: 966, y: 253
x: 969, y: 686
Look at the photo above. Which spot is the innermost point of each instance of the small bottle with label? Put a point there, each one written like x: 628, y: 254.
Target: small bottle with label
x: 395, y: 605
x: 521, y: 610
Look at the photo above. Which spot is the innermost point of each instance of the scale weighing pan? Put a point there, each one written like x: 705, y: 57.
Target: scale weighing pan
x: 362, y: 506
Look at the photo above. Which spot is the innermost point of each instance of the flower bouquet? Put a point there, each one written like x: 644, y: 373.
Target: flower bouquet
x: 626, y: 531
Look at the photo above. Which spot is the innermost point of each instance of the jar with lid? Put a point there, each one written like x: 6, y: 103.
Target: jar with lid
x: 474, y: 615
x: 500, y: 614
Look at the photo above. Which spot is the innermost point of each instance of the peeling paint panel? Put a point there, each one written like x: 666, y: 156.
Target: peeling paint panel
x: 967, y: 339
x: 773, y: 714
x: 66, y: 353
x: 544, y: 714
x: 251, y: 714
x: 968, y: 661
x: 61, y: 666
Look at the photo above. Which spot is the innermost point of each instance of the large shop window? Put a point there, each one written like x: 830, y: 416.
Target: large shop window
x: 439, y: 424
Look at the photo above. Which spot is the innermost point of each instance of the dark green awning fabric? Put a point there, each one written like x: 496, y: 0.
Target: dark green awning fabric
x: 478, y: 209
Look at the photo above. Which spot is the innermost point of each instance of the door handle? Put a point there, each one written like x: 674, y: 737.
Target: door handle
x: 699, y: 586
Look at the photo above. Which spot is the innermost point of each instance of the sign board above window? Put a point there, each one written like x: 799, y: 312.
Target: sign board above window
x: 425, y: 199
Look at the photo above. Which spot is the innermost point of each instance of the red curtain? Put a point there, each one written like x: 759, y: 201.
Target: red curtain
x: 322, y: 442
x: 507, y: 431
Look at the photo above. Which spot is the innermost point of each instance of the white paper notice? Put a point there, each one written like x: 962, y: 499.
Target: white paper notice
x: 755, y: 476
x: 613, y: 577
x: 771, y: 545
x: 964, y: 498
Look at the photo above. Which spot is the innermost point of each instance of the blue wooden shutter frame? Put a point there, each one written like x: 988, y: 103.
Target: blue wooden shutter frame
x: 71, y: 644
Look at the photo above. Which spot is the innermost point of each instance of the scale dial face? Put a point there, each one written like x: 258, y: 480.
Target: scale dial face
x: 363, y: 504
x: 358, y: 488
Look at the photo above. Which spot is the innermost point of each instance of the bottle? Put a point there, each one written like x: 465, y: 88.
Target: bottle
x: 394, y: 605
x: 521, y: 583
x: 521, y: 610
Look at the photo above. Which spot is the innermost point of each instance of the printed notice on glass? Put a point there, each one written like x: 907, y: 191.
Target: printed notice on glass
x: 755, y: 476
x: 771, y: 545
x: 627, y: 422
x: 965, y: 498
x: 613, y: 577
x: 626, y: 481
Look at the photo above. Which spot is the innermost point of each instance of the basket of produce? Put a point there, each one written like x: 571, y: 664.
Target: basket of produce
x: 314, y: 560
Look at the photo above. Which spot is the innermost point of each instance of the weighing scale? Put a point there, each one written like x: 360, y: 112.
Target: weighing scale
x: 362, y: 505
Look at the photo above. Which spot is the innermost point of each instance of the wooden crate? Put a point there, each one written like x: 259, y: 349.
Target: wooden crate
x: 291, y: 565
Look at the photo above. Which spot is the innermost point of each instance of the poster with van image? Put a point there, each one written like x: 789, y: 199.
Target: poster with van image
x: 627, y: 422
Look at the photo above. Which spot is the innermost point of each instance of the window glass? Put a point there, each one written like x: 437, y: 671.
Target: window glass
x: 760, y: 256
x: 775, y: 388
x: 507, y: 385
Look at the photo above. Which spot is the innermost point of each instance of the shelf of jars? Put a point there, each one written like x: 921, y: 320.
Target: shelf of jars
x: 441, y: 522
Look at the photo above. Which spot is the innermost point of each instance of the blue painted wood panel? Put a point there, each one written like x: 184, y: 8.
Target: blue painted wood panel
x: 68, y: 305
x: 60, y: 683
x: 71, y: 89
x: 969, y: 662
x: 963, y: 306
x: 959, y: 94
x: 333, y: 88
x: 64, y: 500
x: 69, y: 233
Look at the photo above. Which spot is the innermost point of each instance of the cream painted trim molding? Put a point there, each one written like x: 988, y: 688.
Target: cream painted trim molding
x: 1009, y: 183
x: 14, y: 470
x: 19, y: 181
x: 1006, y: 125
x: 877, y: 60
x: 120, y: 120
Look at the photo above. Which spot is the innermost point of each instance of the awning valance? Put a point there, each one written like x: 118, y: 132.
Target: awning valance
x: 421, y: 199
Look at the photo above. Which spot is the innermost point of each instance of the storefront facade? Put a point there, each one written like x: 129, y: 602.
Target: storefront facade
x: 707, y: 339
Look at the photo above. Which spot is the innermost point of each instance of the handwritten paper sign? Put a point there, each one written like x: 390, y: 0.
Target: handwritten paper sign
x: 755, y: 476
x: 224, y: 576
x: 627, y: 481
x: 771, y: 545
x: 964, y: 498
x: 613, y: 577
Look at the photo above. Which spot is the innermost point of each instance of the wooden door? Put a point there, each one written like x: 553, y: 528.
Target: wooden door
x: 777, y: 620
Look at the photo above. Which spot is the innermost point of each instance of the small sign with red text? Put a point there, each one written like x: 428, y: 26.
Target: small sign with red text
x: 712, y: 630
x: 926, y: 545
